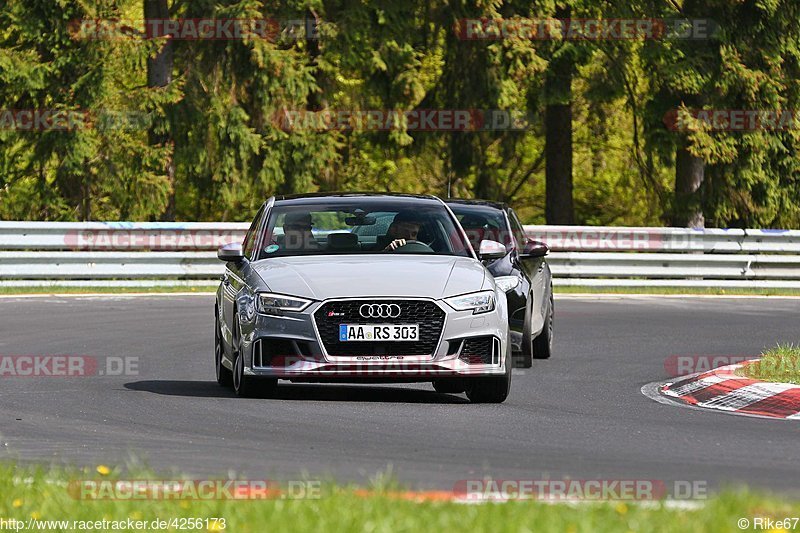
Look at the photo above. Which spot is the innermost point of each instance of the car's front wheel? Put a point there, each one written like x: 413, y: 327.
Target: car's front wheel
x: 244, y: 385
x: 224, y: 376
x: 492, y: 389
x: 543, y: 343
x: 525, y: 359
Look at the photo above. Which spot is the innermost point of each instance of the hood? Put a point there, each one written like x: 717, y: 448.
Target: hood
x: 345, y: 276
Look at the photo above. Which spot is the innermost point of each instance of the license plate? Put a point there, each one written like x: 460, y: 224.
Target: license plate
x: 378, y: 332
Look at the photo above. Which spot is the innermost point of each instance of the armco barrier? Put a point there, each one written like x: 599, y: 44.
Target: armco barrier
x: 153, y: 254
x: 632, y: 239
x: 119, y: 236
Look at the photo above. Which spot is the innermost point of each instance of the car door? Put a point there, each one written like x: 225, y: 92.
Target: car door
x: 233, y: 278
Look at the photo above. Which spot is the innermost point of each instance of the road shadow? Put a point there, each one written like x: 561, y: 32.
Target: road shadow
x: 301, y: 391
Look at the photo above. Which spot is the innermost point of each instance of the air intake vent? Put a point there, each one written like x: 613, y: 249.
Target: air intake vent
x: 267, y: 350
x: 481, y: 351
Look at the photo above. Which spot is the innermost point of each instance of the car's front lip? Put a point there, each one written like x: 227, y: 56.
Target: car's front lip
x: 396, y: 366
x: 302, y: 327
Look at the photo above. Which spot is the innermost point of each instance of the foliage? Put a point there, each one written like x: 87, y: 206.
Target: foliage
x: 222, y: 112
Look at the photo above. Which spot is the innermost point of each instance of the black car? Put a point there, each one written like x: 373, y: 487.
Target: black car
x: 523, y: 273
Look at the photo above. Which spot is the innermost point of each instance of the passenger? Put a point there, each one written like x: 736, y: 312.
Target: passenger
x: 297, y: 232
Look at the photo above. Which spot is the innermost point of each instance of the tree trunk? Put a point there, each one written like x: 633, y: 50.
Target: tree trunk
x: 159, y: 74
x: 484, y: 184
x: 316, y: 102
x: 559, y: 208
x: 558, y: 165
x: 689, y: 174
x: 86, y: 214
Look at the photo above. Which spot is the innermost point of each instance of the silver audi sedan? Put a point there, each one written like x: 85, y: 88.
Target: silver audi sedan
x: 361, y: 288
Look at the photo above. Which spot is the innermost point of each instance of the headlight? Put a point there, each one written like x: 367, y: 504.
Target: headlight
x: 478, y: 302
x: 275, y: 304
x: 506, y: 283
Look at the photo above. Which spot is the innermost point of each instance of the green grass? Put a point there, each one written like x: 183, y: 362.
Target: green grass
x: 780, y: 364
x: 100, y: 290
x: 29, y: 492
x: 573, y: 289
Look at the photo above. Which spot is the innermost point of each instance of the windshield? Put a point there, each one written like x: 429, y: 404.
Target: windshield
x: 481, y: 222
x: 361, y: 225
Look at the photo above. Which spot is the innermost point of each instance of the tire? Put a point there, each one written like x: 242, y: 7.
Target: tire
x: 492, y: 389
x: 224, y: 376
x: 450, y: 386
x: 525, y: 359
x: 543, y: 344
x: 247, y: 386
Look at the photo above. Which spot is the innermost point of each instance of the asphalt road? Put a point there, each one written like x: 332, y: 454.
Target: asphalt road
x: 580, y: 414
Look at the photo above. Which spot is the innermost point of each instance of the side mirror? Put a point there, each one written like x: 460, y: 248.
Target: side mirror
x: 534, y: 249
x: 489, y: 250
x: 231, y: 253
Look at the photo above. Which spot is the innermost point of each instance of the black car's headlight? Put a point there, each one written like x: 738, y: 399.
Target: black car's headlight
x: 268, y: 303
x: 477, y: 302
x: 506, y: 283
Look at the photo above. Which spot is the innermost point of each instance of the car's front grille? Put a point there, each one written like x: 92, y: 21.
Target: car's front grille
x: 479, y: 351
x: 423, y: 312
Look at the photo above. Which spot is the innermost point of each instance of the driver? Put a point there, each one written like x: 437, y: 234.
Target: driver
x: 404, y: 227
x: 475, y: 228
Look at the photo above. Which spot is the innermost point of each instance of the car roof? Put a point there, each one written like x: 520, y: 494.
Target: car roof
x: 322, y: 196
x: 485, y: 203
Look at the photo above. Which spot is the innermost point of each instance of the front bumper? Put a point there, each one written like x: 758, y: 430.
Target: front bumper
x: 290, y: 347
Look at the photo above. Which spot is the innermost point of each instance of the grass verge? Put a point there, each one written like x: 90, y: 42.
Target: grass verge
x: 779, y: 364
x: 42, y: 495
x: 702, y: 291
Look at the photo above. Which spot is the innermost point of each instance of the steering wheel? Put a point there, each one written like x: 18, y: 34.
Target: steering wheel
x: 413, y: 247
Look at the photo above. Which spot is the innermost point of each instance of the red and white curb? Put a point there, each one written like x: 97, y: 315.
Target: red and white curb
x: 722, y: 389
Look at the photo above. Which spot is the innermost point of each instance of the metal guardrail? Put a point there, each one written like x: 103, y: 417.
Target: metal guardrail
x: 119, y: 236
x: 671, y: 257
x: 152, y: 254
x: 109, y: 265
x: 634, y: 239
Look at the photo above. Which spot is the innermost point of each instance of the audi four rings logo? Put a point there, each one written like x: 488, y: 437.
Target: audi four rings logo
x: 379, y: 310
